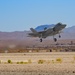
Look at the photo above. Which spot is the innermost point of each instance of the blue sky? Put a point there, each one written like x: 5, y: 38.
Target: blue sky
x: 20, y: 15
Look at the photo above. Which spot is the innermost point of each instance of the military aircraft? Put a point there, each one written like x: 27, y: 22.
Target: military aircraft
x: 44, y: 31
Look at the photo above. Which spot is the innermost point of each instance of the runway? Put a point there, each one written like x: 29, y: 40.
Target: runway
x: 50, y: 66
x: 15, y: 57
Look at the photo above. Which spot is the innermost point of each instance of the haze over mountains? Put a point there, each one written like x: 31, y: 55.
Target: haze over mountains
x: 68, y: 33
x: 20, y: 37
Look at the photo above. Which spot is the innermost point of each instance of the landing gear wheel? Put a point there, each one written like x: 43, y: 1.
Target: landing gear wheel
x: 59, y: 36
x: 40, y: 40
x: 55, y: 39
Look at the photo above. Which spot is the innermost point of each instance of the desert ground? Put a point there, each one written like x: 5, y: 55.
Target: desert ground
x: 46, y: 63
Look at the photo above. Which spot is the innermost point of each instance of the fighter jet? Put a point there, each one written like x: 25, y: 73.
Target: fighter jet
x: 43, y: 31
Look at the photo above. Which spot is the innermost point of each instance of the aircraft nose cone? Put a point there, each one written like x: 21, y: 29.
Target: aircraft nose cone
x: 64, y: 25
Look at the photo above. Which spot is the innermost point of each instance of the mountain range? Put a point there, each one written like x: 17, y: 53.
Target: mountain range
x: 20, y: 37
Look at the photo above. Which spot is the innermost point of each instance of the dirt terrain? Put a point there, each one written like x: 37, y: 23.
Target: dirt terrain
x: 55, y: 63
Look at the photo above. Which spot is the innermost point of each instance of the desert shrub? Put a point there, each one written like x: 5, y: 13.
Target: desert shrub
x: 59, y: 60
x: 41, y: 61
x: 9, y: 61
x: 74, y: 57
x: 0, y: 61
x: 21, y: 62
x: 29, y: 61
x: 18, y: 62
x: 52, y: 61
x: 26, y: 62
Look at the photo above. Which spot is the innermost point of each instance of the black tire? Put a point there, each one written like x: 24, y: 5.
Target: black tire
x: 40, y: 40
x: 55, y: 39
x: 59, y: 36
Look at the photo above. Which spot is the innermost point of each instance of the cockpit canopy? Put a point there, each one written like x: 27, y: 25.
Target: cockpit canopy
x: 44, y: 27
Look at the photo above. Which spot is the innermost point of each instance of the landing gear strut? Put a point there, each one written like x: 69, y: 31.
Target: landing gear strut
x: 40, y: 40
x: 59, y: 36
x: 55, y: 39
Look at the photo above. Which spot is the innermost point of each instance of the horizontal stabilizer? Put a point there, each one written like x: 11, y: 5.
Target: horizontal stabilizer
x: 33, y: 30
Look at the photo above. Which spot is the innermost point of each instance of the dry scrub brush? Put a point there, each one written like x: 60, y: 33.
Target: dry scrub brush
x: 41, y: 61
x: 59, y: 60
x: 9, y: 61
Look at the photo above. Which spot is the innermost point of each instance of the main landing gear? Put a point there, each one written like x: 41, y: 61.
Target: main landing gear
x: 59, y: 36
x: 55, y: 39
x: 41, y: 40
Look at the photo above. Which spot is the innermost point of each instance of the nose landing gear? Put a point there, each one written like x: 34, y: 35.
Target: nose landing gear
x: 54, y: 39
x: 59, y: 35
x: 41, y: 38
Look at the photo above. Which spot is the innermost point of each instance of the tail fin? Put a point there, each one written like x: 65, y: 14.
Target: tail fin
x: 33, y: 30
